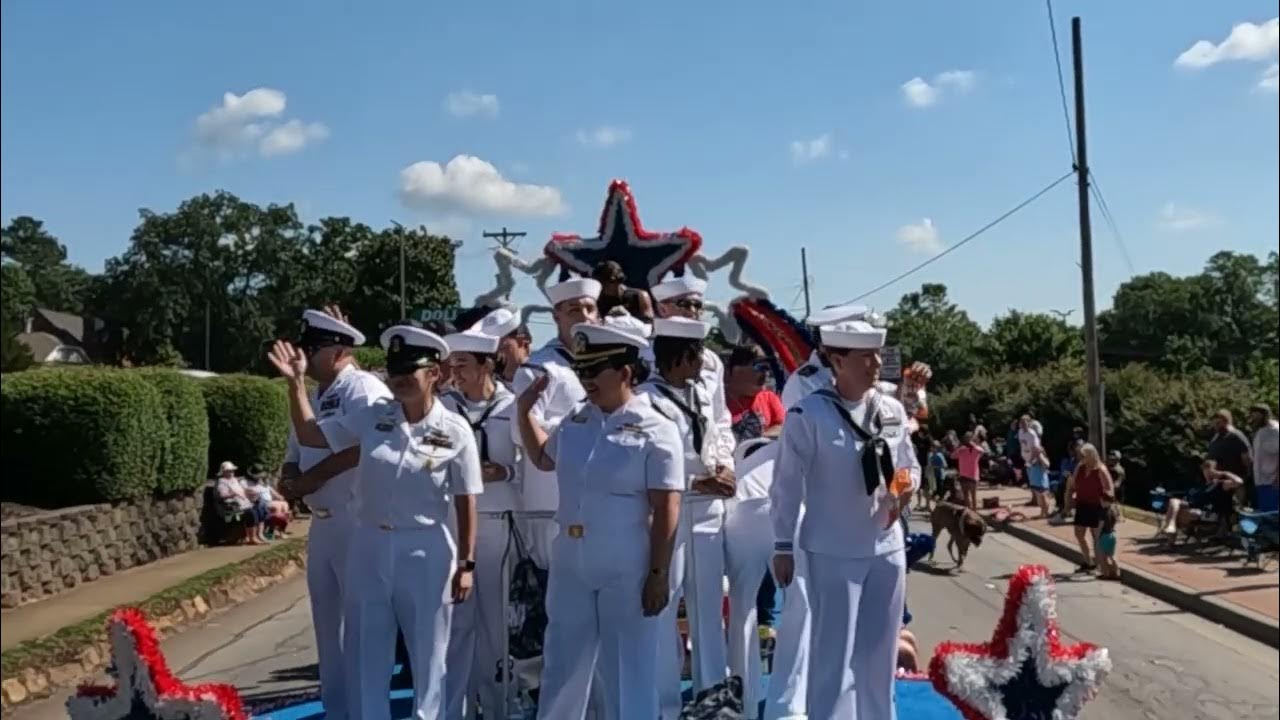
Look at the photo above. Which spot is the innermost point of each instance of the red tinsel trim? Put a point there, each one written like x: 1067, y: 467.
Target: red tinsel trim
x: 620, y: 186
x: 167, y: 685
x: 775, y: 330
x: 998, y: 647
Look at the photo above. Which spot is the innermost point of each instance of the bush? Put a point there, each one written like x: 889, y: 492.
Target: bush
x: 371, y: 358
x: 248, y: 420
x: 1159, y: 421
x: 75, y: 436
x: 185, y: 454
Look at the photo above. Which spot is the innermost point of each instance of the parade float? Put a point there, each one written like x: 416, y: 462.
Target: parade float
x: 1025, y: 671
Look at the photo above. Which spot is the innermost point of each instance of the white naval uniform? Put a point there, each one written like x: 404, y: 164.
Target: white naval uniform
x: 476, y: 634
x: 697, y: 563
x: 403, y: 554
x: 748, y: 548
x: 350, y: 392
x: 605, y: 464
x: 856, y: 560
x: 562, y: 394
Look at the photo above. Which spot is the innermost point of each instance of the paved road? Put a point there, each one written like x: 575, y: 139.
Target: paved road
x: 1168, y: 665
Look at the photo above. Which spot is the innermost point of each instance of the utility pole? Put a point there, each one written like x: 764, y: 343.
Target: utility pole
x: 404, y: 312
x: 504, y: 238
x: 208, y: 366
x: 804, y: 269
x: 1097, y: 433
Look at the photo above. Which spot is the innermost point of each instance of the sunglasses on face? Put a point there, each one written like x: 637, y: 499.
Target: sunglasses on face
x: 687, y: 304
x: 593, y: 370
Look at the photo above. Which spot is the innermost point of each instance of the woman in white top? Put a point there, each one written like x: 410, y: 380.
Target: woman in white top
x: 480, y: 623
x: 415, y: 457
x: 620, y: 469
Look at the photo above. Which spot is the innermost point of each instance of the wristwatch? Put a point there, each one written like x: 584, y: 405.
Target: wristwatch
x: 467, y: 566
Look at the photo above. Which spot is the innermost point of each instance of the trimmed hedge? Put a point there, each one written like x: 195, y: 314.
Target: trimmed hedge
x: 74, y: 436
x: 1159, y: 421
x: 248, y: 420
x: 185, y: 455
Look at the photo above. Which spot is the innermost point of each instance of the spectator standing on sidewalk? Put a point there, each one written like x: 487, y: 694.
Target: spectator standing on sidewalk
x: 1115, y: 464
x: 1266, y: 458
x: 1108, y: 567
x: 969, y: 456
x: 1038, y: 481
x: 1093, y: 493
x: 1028, y: 438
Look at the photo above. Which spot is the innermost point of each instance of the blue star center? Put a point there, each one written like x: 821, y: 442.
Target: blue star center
x: 1025, y: 698
x: 638, y: 257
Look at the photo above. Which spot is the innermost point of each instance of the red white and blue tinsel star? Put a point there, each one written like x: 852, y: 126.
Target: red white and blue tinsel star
x: 645, y: 256
x: 145, y: 687
x: 1025, y: 672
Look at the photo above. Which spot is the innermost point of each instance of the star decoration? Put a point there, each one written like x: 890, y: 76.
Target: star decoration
x: 1025, y: 672
x: 645, y: 256
x: 145, y: 687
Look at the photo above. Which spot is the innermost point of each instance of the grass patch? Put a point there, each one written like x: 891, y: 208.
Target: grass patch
x: 65, y: 645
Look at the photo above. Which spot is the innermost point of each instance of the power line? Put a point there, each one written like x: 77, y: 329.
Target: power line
x: 972, y: 236
x: 1096, y: 189
x: 1062, y: 86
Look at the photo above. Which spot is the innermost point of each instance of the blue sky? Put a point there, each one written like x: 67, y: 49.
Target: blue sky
x: 834, y: 125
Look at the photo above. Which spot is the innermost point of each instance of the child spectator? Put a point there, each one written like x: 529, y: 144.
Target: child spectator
x: 756, y: 410
x: 1038, y: 480
x: 942, y: 489
x: 968, y: 458
x: 1108, y: 568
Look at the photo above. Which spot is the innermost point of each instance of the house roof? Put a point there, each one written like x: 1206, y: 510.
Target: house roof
x: 72, y: 325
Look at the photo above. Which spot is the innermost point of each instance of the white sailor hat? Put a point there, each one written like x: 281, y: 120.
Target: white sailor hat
x: 677, y: 287
x: 411, y: 348
x: 678, y: 327
x: 747, y: 448
x: 320, y: 330
x: 836, y: 313
x: 629, y: 323
x: 594, y: 343
x: 852, y: 335
x: 471, y: 341
x: 499, y: 323
x: 575, y: 288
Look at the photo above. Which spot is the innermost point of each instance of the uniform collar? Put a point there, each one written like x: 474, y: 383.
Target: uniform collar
x: 433, y: 415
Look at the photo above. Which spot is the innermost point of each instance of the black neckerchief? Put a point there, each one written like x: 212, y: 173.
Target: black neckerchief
x: 478, y: 426
x: 877, y: 462
x: 697, y: 423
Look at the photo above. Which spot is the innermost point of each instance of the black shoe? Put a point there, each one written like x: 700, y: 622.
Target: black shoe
x: 1085, y: 568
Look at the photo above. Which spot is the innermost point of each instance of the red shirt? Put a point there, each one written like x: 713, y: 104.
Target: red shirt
x: 753, y: 415
x: 1092, y: 486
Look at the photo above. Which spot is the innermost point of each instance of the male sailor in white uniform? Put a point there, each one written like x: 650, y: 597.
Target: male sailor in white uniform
x: 342, y: 388
x: 479, y: 623
x: 841, y: 450
x: 513, y: 341
x: 573, y: 302
x: 697, y: 566
x: 788, y: 684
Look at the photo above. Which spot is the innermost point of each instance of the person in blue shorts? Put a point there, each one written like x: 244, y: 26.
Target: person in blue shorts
x: 1038, y: 480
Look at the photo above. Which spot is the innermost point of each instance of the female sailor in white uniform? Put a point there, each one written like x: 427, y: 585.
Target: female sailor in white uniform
x: 620, y: 466
x: 840, y: 450
x: 479, y: 623
x: 748, y: 540
x: 405, y: 569
x: 697, y: 568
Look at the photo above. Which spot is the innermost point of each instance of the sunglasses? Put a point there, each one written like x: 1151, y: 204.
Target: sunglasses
x: 686, y: 304
x: 593, y: 370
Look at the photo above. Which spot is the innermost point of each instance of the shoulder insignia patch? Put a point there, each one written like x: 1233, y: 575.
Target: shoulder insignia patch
x: 385, y: 425
x: 331, y: 402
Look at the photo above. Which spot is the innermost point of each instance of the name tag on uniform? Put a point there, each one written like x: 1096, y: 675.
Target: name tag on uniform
x: 633, y: 429
x: 385, y: 425
x: 333, y: 402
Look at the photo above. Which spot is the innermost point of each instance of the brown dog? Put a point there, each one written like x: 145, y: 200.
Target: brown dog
x: 964, y: 526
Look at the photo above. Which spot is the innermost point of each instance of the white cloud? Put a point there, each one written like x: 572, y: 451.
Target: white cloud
x: 1270, y: 81
x: 920, y: 93
x: 803, y: 151
x: 1247, y: 41
x: 465, y: 103
x: 1176, y: 218
x: 291, y: 137
x: 251, y: 122
x: 603, y: 136
x: 469, y: 185
x: 921, y: 237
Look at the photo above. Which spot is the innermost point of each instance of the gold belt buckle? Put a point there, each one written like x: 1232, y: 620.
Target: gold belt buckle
x: 575, y: 531
x: 321, y: 514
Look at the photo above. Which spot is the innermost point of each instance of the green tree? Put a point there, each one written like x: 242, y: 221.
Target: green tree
x: 56, y: 284
x: 374, y: 302
x: 1031, y: 340
x: 17, y: 293
x: 928, y: 327
x: 13, y: 354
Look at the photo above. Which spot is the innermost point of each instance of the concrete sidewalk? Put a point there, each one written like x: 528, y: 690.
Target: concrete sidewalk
x: 1212, y: 583
x: 123, y: 588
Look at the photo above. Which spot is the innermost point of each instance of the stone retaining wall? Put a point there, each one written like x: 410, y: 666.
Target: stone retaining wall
x: 47, y: 553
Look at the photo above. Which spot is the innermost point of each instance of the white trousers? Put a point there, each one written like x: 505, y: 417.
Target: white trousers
x: 697, y: 574
x: 538, y: 534
x: 326, y: 571
x: 477, y: 629
x: 748, y: 544
x: 857, y: 615
x: 596, y: 627
x: 788, y: 690
x: 397, y: 578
